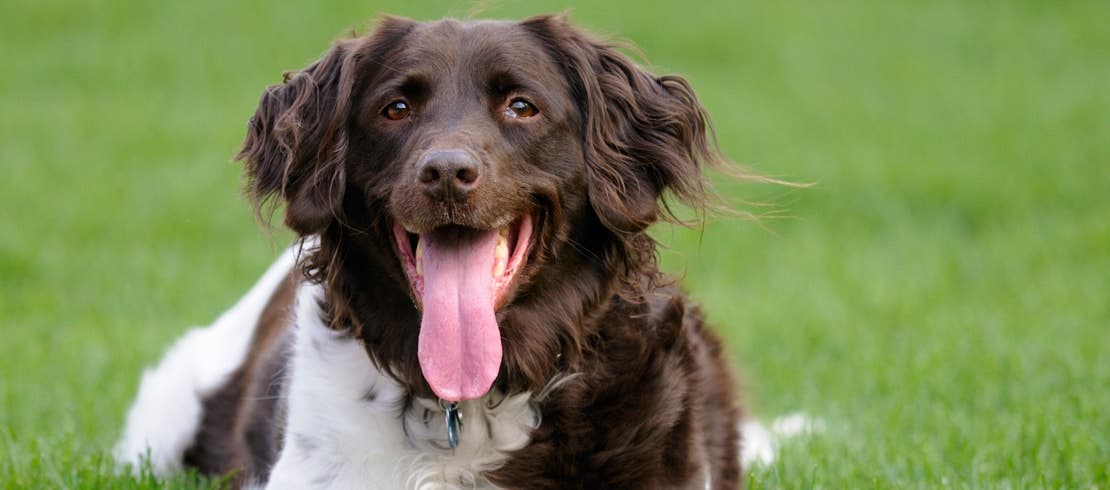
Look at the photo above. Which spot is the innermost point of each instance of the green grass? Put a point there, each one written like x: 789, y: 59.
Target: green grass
x: 941, y: 298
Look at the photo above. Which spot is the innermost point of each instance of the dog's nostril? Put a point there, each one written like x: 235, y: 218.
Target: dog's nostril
x: 429, y: 175
x: 467, y: 175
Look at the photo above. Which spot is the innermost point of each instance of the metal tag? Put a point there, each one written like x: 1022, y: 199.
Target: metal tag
x: 454, y: 423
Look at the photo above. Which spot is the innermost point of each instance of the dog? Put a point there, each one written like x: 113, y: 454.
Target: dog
x: 472, y: 300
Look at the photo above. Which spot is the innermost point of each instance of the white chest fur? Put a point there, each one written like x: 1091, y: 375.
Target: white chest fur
x: 350, y: 426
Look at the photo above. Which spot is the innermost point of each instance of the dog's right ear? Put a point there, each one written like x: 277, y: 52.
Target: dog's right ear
x: 290, y: 148
x: 296, y: 142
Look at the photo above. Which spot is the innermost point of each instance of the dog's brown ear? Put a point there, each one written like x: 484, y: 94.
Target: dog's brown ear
x: 644, y: 134
x: 296, y: 142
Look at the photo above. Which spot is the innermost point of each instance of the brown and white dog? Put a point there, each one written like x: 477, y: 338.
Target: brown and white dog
x: 471, y: 200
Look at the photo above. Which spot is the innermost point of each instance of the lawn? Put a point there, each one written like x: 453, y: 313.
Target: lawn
x: 940, y: 297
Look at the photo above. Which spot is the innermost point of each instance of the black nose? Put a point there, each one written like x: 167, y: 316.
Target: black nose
x: 448, y: 175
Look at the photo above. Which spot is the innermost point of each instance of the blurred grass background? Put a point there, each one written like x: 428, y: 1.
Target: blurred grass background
x: 940, y: 298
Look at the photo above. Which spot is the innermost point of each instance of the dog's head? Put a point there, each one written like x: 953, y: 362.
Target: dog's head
x: 499, y: 174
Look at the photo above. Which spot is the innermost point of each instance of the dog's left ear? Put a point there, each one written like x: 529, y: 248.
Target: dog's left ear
x: 644, y: 134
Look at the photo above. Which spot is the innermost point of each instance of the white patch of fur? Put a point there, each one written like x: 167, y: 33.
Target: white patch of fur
x: 760, y: 445
x: 168, y: 408
x: 338, y: 437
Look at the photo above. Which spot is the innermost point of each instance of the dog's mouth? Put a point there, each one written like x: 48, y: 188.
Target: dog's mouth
x: 468, y: 249
x: 460, y: 277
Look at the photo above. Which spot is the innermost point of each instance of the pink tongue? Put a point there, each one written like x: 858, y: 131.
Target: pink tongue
x: 460, y: 344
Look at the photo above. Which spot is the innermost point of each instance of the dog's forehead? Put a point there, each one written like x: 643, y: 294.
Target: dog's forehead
x: 449, y: 43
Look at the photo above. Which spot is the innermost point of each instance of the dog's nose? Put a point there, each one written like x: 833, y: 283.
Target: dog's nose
x: 448, y: 175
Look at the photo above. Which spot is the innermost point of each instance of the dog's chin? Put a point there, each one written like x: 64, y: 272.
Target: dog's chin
x: 501, y: 252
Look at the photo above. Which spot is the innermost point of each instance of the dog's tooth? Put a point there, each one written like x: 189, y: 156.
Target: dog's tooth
x: 500, y: 255
x: 419, y: 257
x: 502, y: 250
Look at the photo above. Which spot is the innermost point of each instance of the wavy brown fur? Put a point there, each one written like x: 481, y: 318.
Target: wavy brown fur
x: 646, y: 401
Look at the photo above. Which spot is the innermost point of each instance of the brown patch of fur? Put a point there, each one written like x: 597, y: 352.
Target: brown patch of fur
x: 237, y: 434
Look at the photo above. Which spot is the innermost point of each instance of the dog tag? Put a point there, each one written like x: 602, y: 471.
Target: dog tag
x: 453, y: 424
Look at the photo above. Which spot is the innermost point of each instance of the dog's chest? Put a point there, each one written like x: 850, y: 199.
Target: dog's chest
x: 350, y: 426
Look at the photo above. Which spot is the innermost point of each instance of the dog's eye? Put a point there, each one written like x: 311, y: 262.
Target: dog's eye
x: 520, y: 108
x: 396, y: 110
